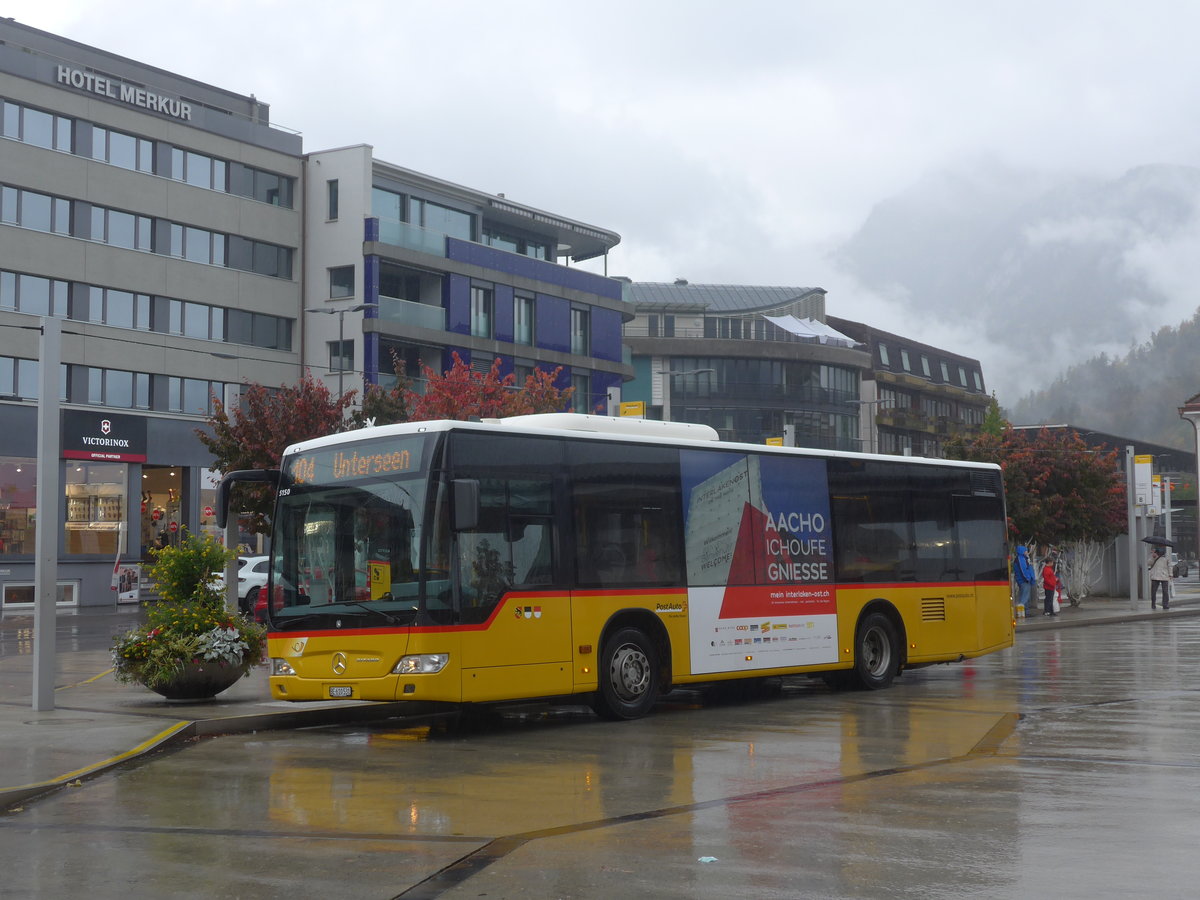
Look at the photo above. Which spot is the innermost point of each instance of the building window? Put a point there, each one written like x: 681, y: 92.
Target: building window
x: 341, y: 282
x: 581, y: 332
x: 883, y: 355
x: 38, y: 212
x: 33, y: 294
x: 904, y: 363
x: 119, y: 149
x: 962, y: 376
x: 978, y: 381
x: 440, y: 218
x: 945, y: 373
x: 481, y: 312
x: 523, y: 320
x: 41, y: 129
x: 331, y: 199
x: 925, y: 367
x: 341, y: 356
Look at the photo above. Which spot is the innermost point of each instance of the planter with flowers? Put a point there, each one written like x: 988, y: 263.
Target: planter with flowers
x: 191, y: 647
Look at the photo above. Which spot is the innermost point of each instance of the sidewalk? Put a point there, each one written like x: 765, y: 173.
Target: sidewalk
x: 98, y: 724
x: 1107, y: 610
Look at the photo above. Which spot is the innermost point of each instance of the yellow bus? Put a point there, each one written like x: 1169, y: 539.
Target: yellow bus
x: 565, y: 555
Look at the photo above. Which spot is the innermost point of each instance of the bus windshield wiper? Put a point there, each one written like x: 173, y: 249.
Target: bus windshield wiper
x: 388, y: 617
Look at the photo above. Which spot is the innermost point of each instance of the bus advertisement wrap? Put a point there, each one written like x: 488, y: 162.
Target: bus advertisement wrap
x: 759, y: 555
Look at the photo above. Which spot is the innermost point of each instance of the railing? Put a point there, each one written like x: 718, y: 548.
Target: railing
x: 770, y: 334
x: 412, y: 237
x: 406, y: 312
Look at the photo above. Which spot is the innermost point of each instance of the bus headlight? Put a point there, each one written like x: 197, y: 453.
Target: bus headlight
x: 421, y: 664
x: 281, y: 667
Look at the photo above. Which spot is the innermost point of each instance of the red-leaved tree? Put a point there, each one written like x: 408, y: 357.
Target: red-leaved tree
x: 462, y: 394
x: 265, y: 421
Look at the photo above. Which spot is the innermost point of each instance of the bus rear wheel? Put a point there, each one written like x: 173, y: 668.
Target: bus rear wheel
x: 876, y: 652
x: 629, y: 677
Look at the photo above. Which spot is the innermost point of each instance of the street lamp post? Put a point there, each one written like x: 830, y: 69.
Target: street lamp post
x: 667, y: 374
x: 341, y: 314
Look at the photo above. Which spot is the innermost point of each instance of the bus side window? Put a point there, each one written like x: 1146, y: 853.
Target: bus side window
x: 627, y: 504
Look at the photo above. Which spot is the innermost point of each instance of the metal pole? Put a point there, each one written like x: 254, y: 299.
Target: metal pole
x: 341, y: 351
x: 666, y: 388
x: 1131, y: 519
x: 46, y: 530
x: 1166, y: 504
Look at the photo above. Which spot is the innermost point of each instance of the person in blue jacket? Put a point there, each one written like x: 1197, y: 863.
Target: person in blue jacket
x: 1023, y: 575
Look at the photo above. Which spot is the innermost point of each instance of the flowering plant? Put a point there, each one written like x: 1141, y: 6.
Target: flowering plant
x: 190, y: 625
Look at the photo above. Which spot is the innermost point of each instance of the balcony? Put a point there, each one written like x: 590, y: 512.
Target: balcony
x: 412, y: 237
x: 436, y: 243
x: 415, y: 315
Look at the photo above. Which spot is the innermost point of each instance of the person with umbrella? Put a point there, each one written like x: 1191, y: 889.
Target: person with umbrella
x: 1160, y: 575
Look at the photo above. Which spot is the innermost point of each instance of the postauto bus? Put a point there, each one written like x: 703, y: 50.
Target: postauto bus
x: 556, y: 555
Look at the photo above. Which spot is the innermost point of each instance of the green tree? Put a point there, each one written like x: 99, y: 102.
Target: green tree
x: 265, y: 421
x: 993, y: 420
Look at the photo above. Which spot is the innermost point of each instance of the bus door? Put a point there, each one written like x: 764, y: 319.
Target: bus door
x: 515, y: 627
x: 980, y: 524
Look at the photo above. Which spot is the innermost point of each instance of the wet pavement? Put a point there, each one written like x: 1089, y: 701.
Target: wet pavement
x: 637, y: 804
x: 98, y: 723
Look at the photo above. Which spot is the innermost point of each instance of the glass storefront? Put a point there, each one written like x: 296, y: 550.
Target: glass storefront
x: 96, y: 502
x: 18, y: 501
x: 161, y: 507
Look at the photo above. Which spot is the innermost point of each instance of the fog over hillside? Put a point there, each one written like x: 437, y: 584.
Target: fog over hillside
x: 1059, y: 283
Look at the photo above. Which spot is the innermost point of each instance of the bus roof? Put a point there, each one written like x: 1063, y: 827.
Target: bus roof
x: 588, y: 427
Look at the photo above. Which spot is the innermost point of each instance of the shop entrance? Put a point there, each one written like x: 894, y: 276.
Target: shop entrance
x: 162, y: 507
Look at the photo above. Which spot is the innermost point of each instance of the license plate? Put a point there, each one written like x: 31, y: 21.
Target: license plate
x: 341, y: 690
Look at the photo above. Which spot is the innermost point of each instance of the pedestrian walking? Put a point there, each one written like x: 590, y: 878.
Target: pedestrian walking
x: 1050, y: 585
x: 1024, y: 576
x: 1160, y: 576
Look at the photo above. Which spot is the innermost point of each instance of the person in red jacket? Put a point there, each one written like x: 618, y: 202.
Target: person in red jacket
x: 1050, y: 584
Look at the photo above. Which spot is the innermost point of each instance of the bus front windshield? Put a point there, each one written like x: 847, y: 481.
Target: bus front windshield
x: 347, y: 544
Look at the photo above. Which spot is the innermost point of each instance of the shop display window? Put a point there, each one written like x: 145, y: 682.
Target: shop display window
x: 18, y: 502
x: 22, y: 594
x: 96, y: 503
x: 161, y: 507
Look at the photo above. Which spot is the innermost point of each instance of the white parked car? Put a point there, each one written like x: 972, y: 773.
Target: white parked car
x: 252, y: 574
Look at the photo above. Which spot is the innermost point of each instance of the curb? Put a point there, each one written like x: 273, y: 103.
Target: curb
x: 1115, y: 618
x: 184, y: 730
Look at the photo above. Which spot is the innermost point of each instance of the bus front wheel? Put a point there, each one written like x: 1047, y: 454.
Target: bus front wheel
x: 628, y: 675
x: 876, y: 652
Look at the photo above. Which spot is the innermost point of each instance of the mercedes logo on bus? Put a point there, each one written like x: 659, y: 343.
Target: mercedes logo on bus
x: 339, y: 663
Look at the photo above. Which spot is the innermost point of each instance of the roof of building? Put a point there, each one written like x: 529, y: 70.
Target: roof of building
x: 740, y: 298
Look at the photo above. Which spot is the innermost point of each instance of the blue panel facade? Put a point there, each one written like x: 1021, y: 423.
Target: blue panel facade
x: 553, y: 327
x: 458, y: 303
x: 502, y: 299
x: 528, y: 267
x: 606, y: 334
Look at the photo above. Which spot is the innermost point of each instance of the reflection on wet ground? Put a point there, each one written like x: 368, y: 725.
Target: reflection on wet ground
x: 1065, y: 766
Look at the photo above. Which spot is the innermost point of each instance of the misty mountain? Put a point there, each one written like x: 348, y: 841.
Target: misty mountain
x: 1069, y: 288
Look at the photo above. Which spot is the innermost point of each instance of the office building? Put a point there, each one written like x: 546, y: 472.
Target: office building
x: 414, y: 270
x: 159, y: 218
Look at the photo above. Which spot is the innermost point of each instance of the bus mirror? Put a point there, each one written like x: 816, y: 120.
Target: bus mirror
x: 271, y: 476
x: 465, y: 495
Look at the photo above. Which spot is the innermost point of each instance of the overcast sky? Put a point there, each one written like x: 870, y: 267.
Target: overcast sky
x: 726, y: 142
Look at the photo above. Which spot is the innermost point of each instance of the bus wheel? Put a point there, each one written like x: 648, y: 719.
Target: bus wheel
x: 876, y: 656
x: 628, y: 676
